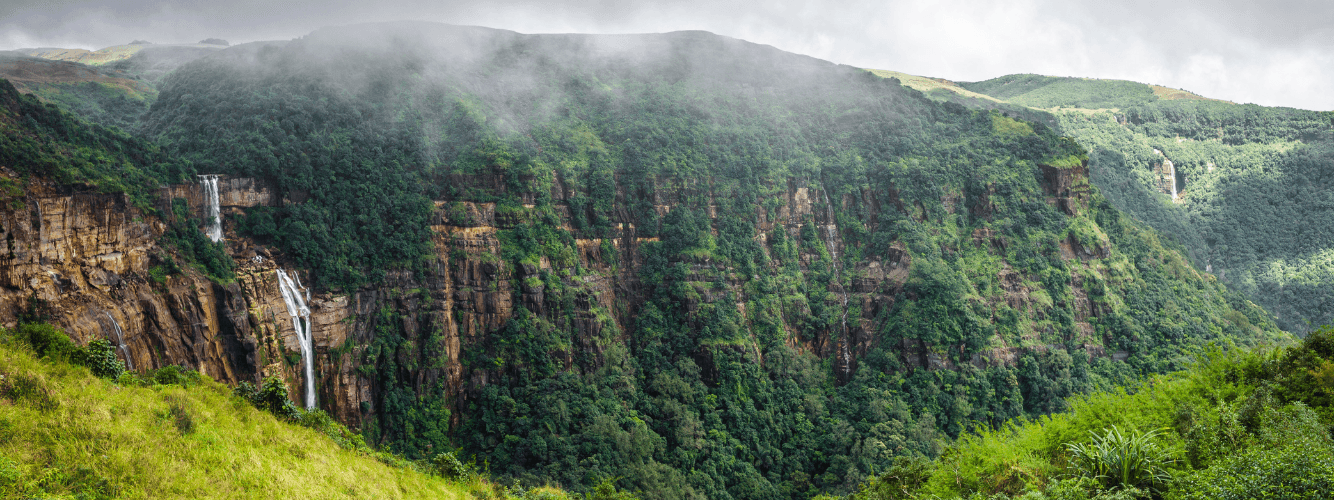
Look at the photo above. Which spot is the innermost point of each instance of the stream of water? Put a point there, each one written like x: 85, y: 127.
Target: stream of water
x: 212, y: 211
x: 120, y: 340
x: 831, y: 232
x: 296, y: 308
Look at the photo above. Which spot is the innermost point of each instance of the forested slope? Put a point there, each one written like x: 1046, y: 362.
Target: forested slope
x: 1235, y: 424
x: 1252, y: 181
x: 709, y: 268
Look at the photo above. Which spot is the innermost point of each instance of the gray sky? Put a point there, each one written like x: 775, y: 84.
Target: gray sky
x: 1276, y: 52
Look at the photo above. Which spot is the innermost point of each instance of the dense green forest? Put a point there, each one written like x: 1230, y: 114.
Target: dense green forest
x: 42, y: 143
x: 1235, y: 424
x: 1253, y: 181
x: 741, y: 358
x: 695, y: 398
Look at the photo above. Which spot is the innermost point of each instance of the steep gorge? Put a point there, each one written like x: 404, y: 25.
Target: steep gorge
x: 706, y: 267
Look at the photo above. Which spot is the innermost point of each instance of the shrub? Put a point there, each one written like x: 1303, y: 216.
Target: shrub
x: 902, y: 480
x: 1121, y: 461
x: 1289, y: 472
x: 100, y: 356
x: 49, y: 342
x: 448, y: 465
x: 271, y: 396
x: 174, y: 375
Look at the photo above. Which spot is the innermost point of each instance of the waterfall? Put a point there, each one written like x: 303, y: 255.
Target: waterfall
x: 212, y: 212
x: 120, y: 340
x: 1172, y: 170
x: 296, y: 308
x: 831, y: 231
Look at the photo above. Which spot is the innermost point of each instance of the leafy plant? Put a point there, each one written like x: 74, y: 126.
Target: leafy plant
x: 270, y: 396
x: 448, y: 465
x: 100, y: 357
x: 1122, y: 461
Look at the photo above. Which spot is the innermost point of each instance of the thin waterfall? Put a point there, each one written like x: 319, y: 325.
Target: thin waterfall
x: 120, y: 340
x: 831, y: 231
x: 1172, y: 170
x: 296, y: 307
x: 212, y: 211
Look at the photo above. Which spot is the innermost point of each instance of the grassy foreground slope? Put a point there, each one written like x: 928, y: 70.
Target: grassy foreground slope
x: 65, y: 433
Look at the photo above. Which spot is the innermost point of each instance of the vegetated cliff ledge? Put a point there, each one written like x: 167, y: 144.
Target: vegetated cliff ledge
x: 93, y: 259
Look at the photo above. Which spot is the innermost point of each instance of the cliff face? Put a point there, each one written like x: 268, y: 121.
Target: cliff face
x: 92, y: 258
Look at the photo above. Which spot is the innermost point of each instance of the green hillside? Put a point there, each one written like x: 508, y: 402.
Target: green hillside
x: 695, y: 397
x: 711, y: 269
x: 169, y: 434
x: 1251, y: 206
x: 1236, y: 424
x: 1047, y: 92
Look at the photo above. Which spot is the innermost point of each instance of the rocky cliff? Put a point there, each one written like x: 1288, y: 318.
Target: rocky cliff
x: 95, y: 261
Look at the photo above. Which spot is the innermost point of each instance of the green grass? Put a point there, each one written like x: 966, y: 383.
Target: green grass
x: 1047, y: 92
x: 67, y: 434
x: 927, y: 85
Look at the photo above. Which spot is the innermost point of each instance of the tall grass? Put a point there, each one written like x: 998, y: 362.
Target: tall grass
x: 65, y: 433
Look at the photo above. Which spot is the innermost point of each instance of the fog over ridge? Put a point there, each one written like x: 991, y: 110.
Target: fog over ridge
x: 1275, y: 54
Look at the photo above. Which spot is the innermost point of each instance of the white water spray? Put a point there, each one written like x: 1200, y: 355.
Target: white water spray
x: 1172, y: 170
x: 120, y: 340
x: 831, y: 231
x: 296, y: 307
x: 212, y: 211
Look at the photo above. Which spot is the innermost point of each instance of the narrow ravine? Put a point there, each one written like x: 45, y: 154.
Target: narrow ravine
x: 831, y: 232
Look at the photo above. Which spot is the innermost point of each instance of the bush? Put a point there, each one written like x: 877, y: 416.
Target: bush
x: 50, y: 342
x: 1120, y: 461
x: 100, y: 356
x: 902, y: 480
x: 1289, y: 472
x: 271, y: 396
x: 448, y: 466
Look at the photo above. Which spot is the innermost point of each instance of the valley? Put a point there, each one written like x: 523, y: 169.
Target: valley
x: 691, y: 265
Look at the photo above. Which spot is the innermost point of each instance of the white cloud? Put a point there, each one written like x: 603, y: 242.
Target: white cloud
x: 1272, y: 54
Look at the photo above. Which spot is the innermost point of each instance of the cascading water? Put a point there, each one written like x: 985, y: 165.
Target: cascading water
x: 120, y: 340
x: 1172, y: 170
x: 831, y: 231
x: 296, y: 307
x: 212, y: 211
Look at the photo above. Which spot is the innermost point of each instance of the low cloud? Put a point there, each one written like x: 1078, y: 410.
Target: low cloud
x: 1271, y: 53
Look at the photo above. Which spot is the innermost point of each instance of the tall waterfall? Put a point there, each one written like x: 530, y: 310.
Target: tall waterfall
x: 1172, y: 170
x: 120, y: 340
x: 831, y: 231
x: 296, y: 307
x: 212, y: 212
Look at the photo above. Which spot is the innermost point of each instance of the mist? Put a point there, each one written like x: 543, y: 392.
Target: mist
x: 1275, y: 54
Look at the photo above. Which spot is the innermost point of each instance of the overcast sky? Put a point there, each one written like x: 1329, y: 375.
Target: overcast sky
x: 1276, y: 52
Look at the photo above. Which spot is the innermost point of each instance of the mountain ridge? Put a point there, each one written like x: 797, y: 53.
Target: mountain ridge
x: 687, y: 265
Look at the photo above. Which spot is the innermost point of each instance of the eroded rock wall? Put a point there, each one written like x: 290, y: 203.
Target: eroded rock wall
x: 92, y: 257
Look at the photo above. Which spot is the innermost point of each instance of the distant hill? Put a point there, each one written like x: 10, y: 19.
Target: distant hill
x: 110, y: 54
x: 1064, y: 92
x: 1250, y: 181
x: 97, y: 93
x: 113, y: 86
